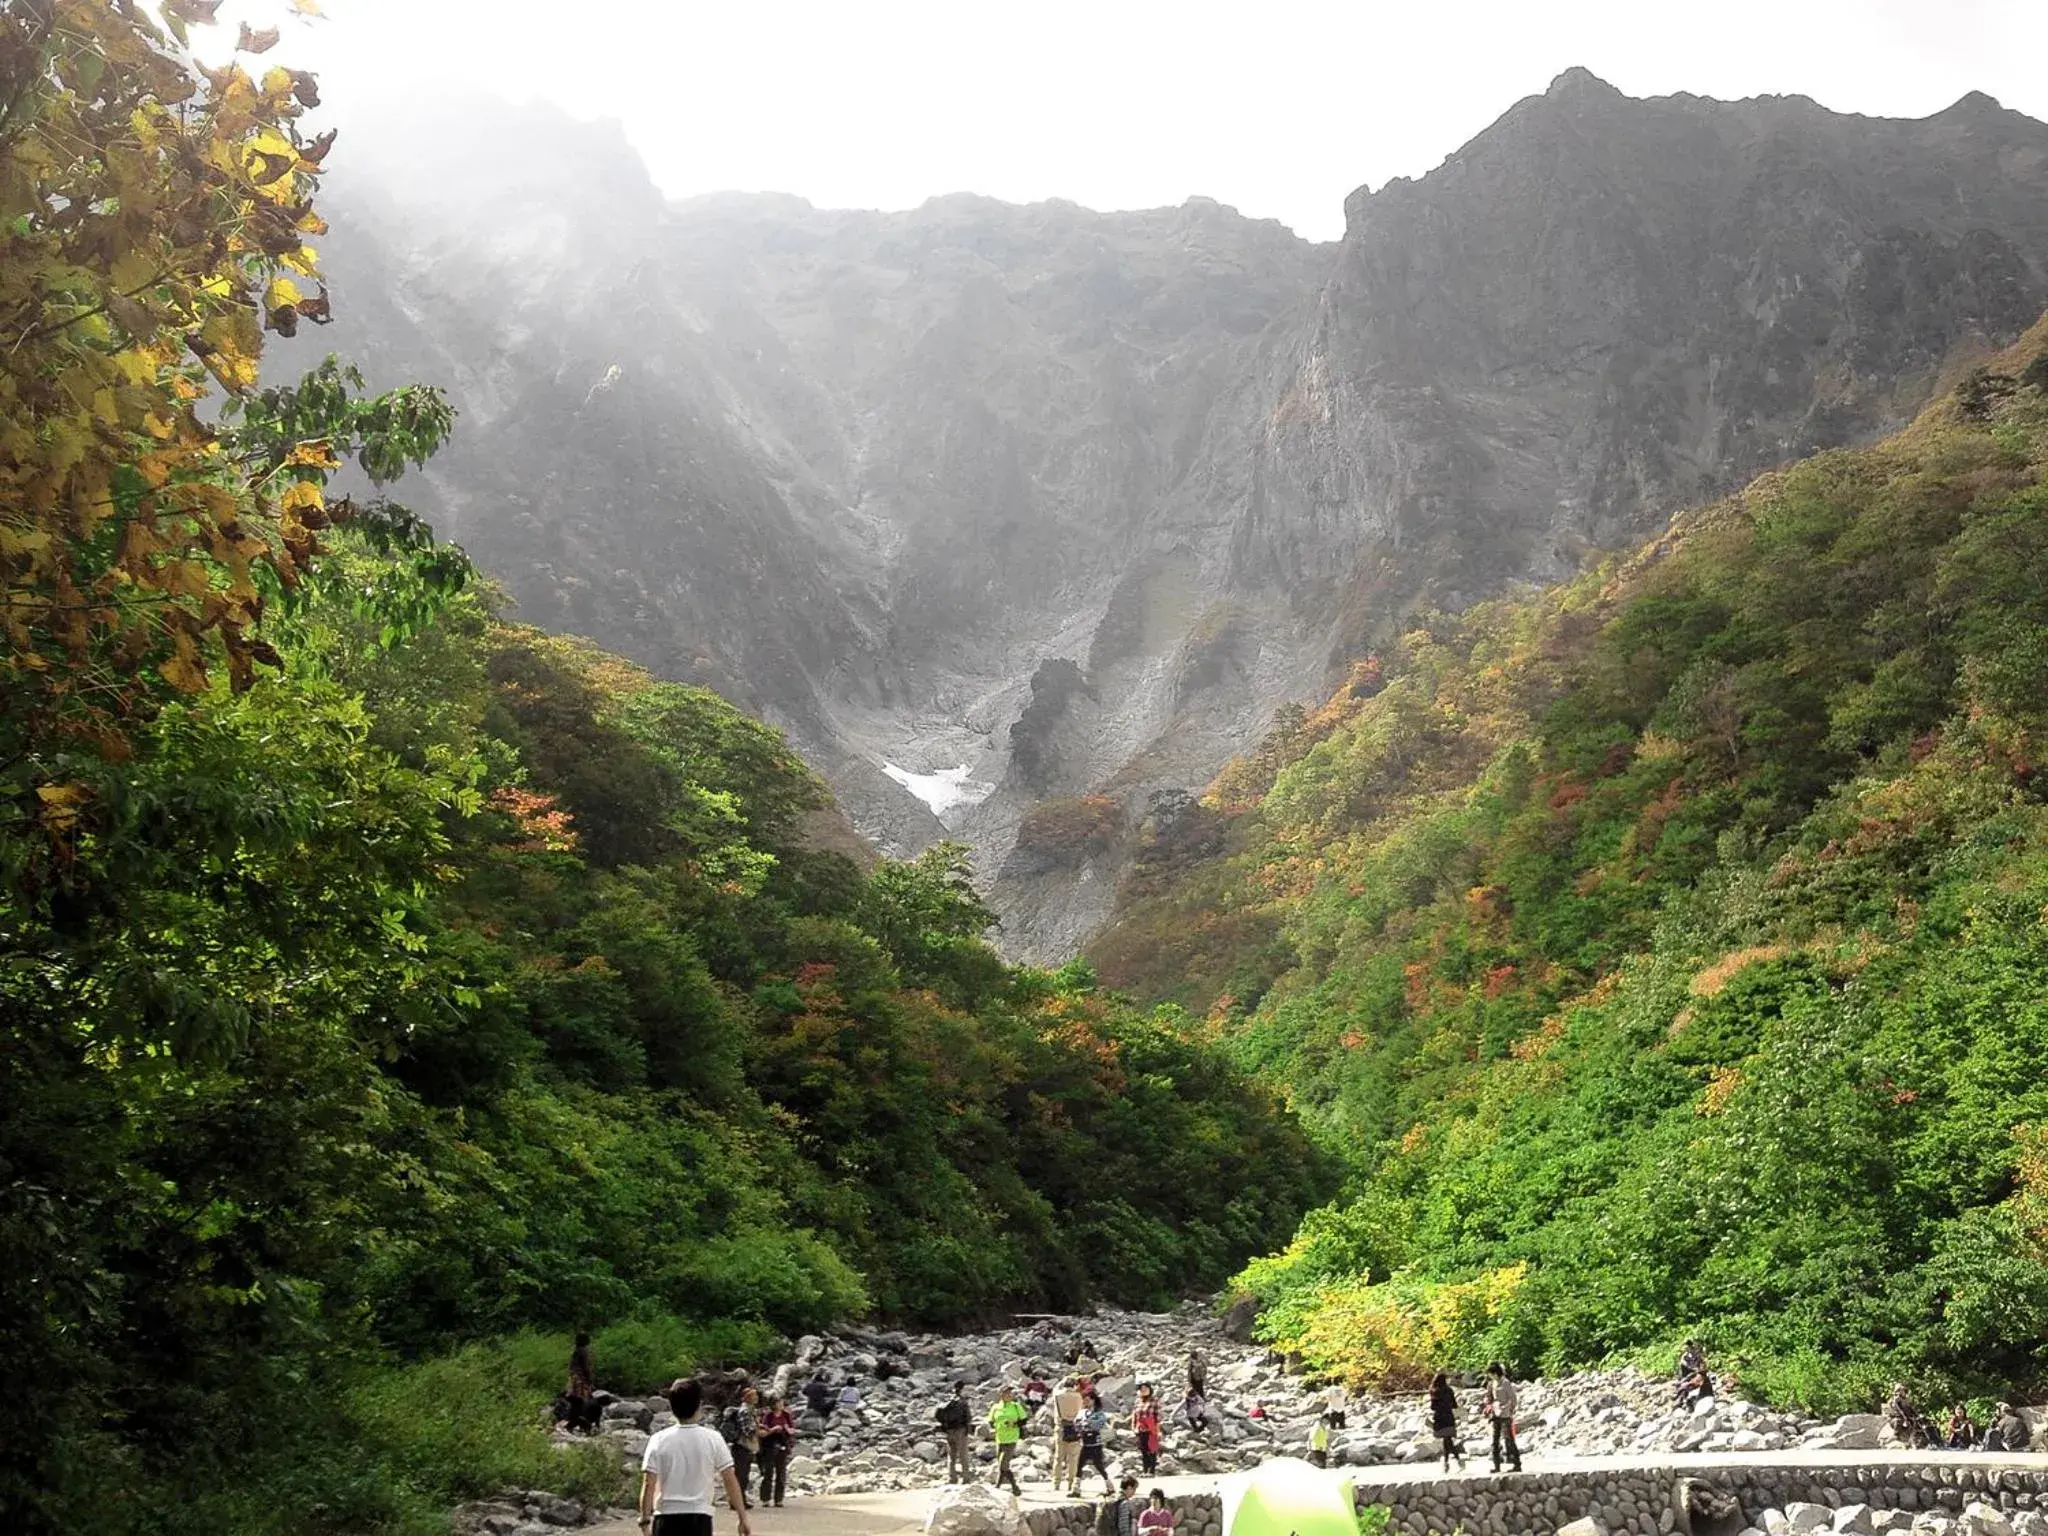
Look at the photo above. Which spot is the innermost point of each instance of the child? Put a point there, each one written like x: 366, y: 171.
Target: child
x: 1157, y: 1520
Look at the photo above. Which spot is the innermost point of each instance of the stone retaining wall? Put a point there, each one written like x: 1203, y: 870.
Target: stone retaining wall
x: 1644, y: 1501
x: 1622, y: 1501
x: 1194, y: 1514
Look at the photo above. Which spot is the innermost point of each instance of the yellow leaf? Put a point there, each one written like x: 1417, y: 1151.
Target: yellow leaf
x: 307, y: 8
x: 315, y: 453
x: 304, y: 261
x: 282, y: 291
x: 133, y: 270
x: 301, y: 493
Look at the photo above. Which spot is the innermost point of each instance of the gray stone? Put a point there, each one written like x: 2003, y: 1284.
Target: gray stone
x: 1801, y: 1517
x: 1585, y: 1526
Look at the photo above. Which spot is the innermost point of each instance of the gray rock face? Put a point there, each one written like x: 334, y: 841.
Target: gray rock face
x: 873, y: 474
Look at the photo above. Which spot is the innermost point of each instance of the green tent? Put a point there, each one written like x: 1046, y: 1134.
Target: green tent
x: 1288, y: 1497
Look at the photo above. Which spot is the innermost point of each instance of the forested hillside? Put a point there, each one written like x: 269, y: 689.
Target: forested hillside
x: 390, y: 988
x: 1668, y: 948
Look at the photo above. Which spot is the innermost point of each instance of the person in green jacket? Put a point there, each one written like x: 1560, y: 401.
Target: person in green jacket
x: 1007, y: 1418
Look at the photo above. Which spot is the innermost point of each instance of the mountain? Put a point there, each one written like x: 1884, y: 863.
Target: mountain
x: 1666, y: 947
x: 1041, y: 512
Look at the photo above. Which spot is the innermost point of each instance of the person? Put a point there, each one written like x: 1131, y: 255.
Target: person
x: 1258, y: 1410
x: 1195, y: 1409
x: 1145, y: 1425
x: 819, y: 1396
x: 1443, y: 1417
x: 1501, y: 1401
x: 2009, y: 1430
x: 1006, y: 1417
x: 1157, y: 1520
x: 1905, y: 1419
x: 741, y: 1426
x: 849, y: 1394
x: 1067, y: 1407
x: 1335, y: 1404
x: 1035, y: 1390
x: 1319, y: 1441
x: 956, y: 1418
x: 1692, y: 1379
x: 1962, y: 1434
x: 583, y: 1411
x: 1089, y: 1365
x: 682, y: 1467
x: 778, y: 1434
x: 1198, y: 1373
x: 1128, y: 1507
x: 1094, y: 1425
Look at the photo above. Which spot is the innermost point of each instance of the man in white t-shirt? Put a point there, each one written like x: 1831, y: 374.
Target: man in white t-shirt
x: 681, y: 1469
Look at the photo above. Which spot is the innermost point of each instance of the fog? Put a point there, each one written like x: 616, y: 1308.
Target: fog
x: 1278, y: 109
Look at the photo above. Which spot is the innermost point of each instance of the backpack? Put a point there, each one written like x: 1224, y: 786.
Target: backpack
x: 732, y: 1425
x: 953, y: 1414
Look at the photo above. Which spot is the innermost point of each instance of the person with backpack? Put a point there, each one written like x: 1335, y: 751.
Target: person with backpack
x: 682, y: 1468
x: 956, y: 1419
x: 849, y: 1395
x: 778, y: 1435
x: 1501, y: 1401
x: 1067, y: 1408
x: 1443, y: 1418
x: 1094, y: 1426
x: 1145, y: 1425
x: 741, y: 1426
x: 1007, y: 1418
x: 1128, y: 1507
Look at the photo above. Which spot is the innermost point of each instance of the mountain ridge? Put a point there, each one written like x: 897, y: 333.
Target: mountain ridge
x: 868, y: 473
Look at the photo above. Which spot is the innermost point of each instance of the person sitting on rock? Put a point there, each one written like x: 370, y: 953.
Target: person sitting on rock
x: 1443, y: 1419
x: 1962, y: 1434
x: 819, y: 1396
x: 2009, y: 1430
x: 849, y: 1394
x: 1908, y: 1424
x: 1694, y: 1381
x: 1195, y: 1409
x: 1035, y: 1390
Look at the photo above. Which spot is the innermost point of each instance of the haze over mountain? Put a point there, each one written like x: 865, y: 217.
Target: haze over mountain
x: 1072, y: 501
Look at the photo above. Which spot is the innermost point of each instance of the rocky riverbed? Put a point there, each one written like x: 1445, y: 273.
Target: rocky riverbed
x: 1257, y: 1408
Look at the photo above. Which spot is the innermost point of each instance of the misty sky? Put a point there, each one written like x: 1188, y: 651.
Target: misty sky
x: 1278, y: 107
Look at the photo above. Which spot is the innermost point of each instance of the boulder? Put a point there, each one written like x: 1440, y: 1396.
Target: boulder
x: 975, y: 1509
x: 1584, y: 1526
x: 1855, y: 1520
x: 1981, y: 1519
x: 1801, y: 1517
x: 1238, y: 1321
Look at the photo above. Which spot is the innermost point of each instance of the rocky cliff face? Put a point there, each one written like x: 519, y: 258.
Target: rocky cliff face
x: 1070, y: 501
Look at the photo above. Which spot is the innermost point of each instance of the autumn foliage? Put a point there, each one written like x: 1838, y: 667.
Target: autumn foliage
x: 153, y: 222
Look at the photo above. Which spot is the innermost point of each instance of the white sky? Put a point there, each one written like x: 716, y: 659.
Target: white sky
x: 1278, y: 107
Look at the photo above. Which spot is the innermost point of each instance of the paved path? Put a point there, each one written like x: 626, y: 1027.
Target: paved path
x: 892, y: 1514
